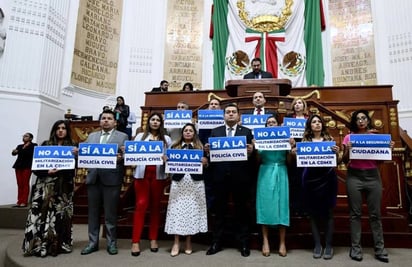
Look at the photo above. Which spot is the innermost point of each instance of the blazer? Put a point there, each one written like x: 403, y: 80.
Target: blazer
x: 107, y: 176
x: 160, y: 169
x: 264, y: 75
x: 157, y: 89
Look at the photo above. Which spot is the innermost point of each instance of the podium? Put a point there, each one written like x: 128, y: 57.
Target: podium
x: 247, y: 87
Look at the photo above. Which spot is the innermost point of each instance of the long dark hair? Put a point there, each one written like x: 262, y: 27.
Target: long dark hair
x: 161, y: 130
x: 353, y: 125
x: 53, y: 140
x: 197, y: 144
x: 122, y: 98
x: 308, y: 134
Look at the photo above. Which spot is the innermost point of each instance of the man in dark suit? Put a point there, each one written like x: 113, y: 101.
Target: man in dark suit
x: 259, y: 102
x: 164, y: 86
x: 103, y: 187
x: 232, y: 177
x: 257, y: 72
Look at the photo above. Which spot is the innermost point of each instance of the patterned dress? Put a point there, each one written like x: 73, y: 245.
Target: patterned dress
x: 186, y: 211
x: 49, y: 228
x: 272, y: 196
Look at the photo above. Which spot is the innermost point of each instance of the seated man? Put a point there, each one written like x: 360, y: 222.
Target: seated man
x: 164, y: 86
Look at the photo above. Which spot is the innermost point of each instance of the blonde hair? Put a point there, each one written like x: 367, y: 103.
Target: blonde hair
x: 305, y: 105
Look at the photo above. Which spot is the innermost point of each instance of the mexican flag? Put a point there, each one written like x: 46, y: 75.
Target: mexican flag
x: 284, y: 34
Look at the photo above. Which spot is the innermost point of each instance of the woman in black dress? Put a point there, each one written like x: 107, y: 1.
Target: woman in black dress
x: 49, y: 222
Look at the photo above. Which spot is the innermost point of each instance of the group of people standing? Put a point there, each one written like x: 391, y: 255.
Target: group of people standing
x: 193, y: 196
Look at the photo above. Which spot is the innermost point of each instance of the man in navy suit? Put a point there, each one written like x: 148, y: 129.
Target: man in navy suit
x: 103, y: 187
x: 257, y: 72
x: 232, y: 177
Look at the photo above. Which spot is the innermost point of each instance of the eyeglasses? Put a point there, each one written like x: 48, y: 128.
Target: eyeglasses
x: 362, y: 118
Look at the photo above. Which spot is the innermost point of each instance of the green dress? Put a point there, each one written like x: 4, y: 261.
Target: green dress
x: 272, y: 196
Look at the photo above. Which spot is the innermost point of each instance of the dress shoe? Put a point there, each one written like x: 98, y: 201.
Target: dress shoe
x: 265, y: 251
x: 245, y: 251
x: 135, y: 249
x: 355, y: 256
x: 328, y: 254
x: 112, y: 249
x: 135, y: 253
x: 382, y: 258
x: 317, y: 252
x: 175, y: 250
x: 214, y: 248
x: 89, y: 249
x: 188, y: 251
x: 153, y: 246
x: 282, y: 253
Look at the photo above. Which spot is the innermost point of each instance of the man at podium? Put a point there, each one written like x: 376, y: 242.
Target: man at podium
x: 257, y: 72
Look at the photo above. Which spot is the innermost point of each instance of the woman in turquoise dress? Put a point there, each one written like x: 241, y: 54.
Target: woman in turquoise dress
x: 272, y: 198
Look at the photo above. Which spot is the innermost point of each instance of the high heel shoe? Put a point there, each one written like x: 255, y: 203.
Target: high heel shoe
x: 282, y: 251
x: 153, y: 246
x: 175, y: 250
x: 265, y: 252
x: 135, y: 253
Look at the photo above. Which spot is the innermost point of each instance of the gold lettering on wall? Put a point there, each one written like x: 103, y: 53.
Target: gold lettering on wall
x: 353, y: 47
x: 183, y: 48
x: 96, y: 49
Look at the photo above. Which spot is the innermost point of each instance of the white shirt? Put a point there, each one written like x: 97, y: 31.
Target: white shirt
x: 102, y: 135
x: 233, y: 131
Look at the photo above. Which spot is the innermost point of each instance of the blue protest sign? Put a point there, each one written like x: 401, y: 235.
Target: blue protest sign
x: 297, y: 126
x: 272, y: 138
x: 177, y: 118
x: 143, y: 153
x: 228, y: 148
x: 254, y: 121
x: 315, y: 154
x: 53, y: 157
x: 209, y: 119
x: 184, y: 161
x: 102, y: 156
x: 370, y: 146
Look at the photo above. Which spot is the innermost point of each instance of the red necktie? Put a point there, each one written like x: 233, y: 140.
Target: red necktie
x: 259, y: 111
